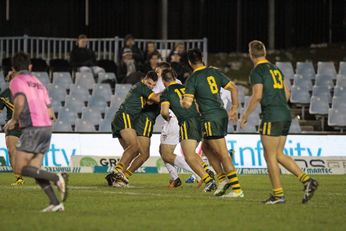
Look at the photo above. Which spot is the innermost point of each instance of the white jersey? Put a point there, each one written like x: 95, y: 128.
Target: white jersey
x: 170, y: 129
x: 226, y: 98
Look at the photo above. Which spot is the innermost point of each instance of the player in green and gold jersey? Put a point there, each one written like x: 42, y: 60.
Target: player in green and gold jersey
x: 12, y: 136
x: 270, y: 90
x: 204, y: 86
x: 189, y: 121
x: 123, y: 125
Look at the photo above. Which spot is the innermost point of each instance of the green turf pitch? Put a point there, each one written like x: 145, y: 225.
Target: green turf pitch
x: 150, y: 205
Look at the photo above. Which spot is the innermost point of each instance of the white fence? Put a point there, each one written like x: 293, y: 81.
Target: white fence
x: 104, y: 48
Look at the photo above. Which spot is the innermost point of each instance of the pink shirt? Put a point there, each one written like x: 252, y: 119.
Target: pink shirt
x: 35, y: 111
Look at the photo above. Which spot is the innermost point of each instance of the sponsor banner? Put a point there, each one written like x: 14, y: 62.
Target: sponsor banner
x: 248, y: 148
x: 320, y: 165
x: 57, y: 169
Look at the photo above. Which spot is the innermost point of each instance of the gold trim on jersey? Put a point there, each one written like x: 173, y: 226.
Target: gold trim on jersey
x: 142, y: 102
x: 228, y: 84
x: 165, y: 102
x: 199, y: 68
x: 151, y: 95
x: 7, y: 103
x: 261, y: 62
x: 189, y: 95
x: 172, y: 83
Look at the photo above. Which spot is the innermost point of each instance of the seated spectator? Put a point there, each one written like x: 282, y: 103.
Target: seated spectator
x: 129, y: 42
x: 152, y: 63
x: 150, y: 47
x: 127, y: 66
x: 183, y: 72
x: 180, y: 48
x: 83, y: 59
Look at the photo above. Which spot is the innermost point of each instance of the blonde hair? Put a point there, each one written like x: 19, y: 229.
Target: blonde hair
x: 257, y: 49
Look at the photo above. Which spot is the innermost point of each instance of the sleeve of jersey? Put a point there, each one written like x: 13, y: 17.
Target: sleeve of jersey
x: 225, y: 81
x: 255, y: 78
x: 164, y: 98
x: 190, y: 87
x: 15, y: 87
x: 147, y: 92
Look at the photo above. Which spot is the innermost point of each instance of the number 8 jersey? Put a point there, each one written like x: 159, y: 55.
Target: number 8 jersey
x: 273, y: 103
x: 204, y: 85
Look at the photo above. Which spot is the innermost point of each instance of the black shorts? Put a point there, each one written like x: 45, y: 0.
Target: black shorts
x: 278, y: 128
x: 14, y: 132
x: 144, y: 126
x: 122, y: 120
x: 190, y: 129
x: 35, y: 140
x: 215, y: 129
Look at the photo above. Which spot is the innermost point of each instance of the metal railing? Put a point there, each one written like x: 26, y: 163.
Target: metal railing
x: 104, y: 48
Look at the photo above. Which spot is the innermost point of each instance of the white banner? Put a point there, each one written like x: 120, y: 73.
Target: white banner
x: 248, y: 148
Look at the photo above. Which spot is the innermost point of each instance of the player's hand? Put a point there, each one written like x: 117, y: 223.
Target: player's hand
x: 243, y: 121
x: 233, y: 114
x: 10, y: 125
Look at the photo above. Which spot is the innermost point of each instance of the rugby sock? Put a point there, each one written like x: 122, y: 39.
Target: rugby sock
x: 181, y: 163
x: 172, y: 171
x: 206, y: 178
x: 47, y: 188
x: 234, y: 181
x: 128, y: 173
x: 221, y: 177
x: 119, y: 167
x: 303, y: 177
x: 37, y: 173
x: 278, y: 192
x: 205, y: 166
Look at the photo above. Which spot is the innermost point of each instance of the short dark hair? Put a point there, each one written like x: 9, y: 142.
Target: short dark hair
x: 195, y: 56
x: 168, y: 75
x: 21, y: 61
x: 129, y: 36
x: 165, y: 66
x: 82, y: 36
x: 151, y: 75
x: 153, y: 54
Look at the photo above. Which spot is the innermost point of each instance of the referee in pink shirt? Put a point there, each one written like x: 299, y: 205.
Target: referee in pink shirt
x: 33, y: 112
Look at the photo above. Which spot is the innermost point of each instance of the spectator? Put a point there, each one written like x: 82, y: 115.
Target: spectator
x: 152, y: 63
x: 180, y: 48
x: 127, y: 66
x: 183, y: 72
x: 129, y: 41
x: 83, y: 59
x: 150, y: 47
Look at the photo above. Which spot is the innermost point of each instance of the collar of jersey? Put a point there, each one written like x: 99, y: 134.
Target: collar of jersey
x: 171, y: 83
x: 261, y: 62
x: 200, y: 68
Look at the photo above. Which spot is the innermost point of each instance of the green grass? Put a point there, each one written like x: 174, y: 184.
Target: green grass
x: 150, y: 205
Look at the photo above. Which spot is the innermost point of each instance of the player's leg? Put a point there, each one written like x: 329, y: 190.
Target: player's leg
x: 270, y: 146
x: 218, y: 145
x: 168, y: 156
x: 144, y: 153
x: 213, y: 161
x: 194, y: 160
x: 129, y: 136
x: 310, y: 185
x: 11, y: 142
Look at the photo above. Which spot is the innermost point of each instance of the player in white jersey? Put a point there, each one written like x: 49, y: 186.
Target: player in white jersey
x: 170, y: 137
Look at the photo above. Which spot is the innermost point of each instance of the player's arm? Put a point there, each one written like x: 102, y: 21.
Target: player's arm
x: 18, y: 106
x: 287, y: 91
x: 233, y: 113
x: 187, y: 101
x: 165, y: 110
x: 51, y: 114
x: 154, y: 97
x: 257, y: 91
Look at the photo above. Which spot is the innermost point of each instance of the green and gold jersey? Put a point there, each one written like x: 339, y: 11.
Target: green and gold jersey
x: 205, y: 84
x: 136, y: 99
x: 6, y: 101
x: 172, y: 96
x: 273, y: 103
x: 151, y: 112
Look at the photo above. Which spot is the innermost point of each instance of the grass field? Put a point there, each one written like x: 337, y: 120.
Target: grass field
x: 149, y: 205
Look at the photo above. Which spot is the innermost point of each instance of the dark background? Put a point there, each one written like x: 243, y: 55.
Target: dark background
x: 297, y: 22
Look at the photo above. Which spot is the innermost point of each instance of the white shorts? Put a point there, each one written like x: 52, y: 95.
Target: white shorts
x: 170, y: 132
